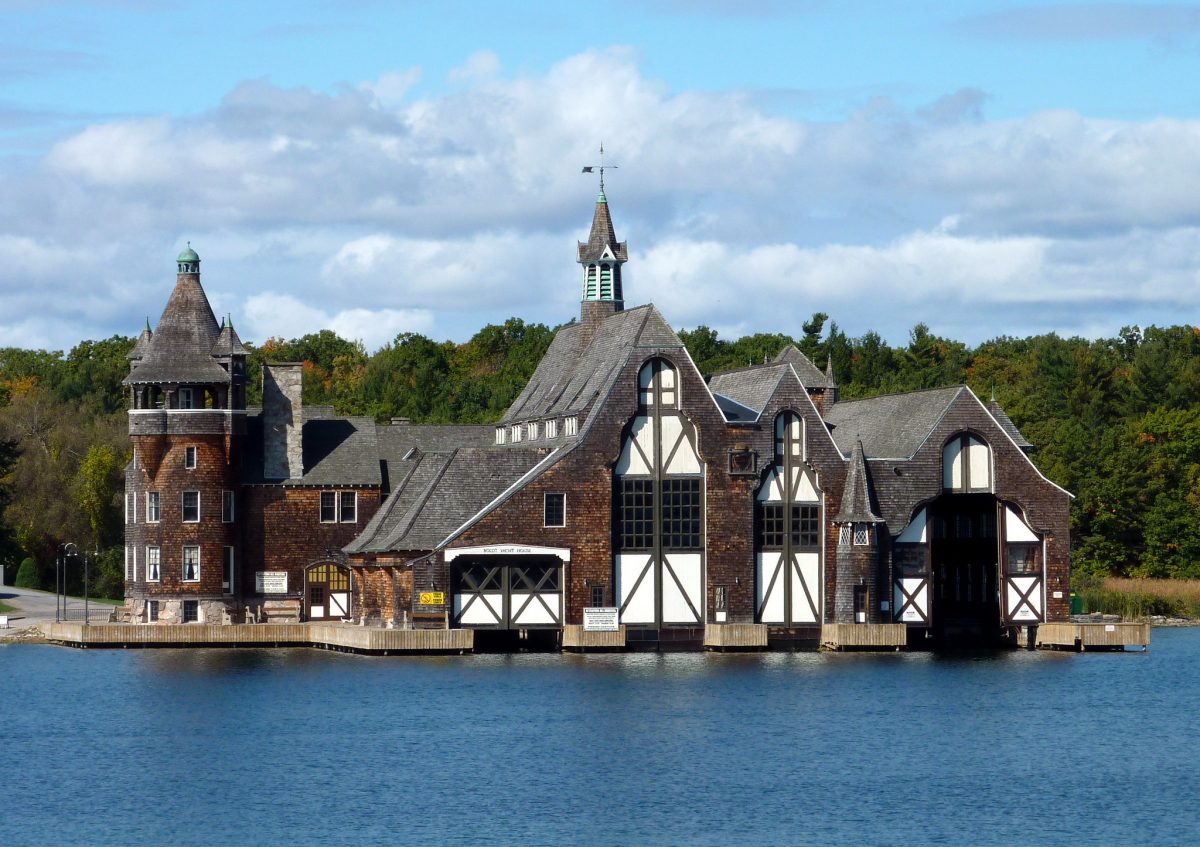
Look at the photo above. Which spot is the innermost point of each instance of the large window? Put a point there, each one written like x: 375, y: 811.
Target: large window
x: 657, y: 385
x: 806, y: 527
x: 191, y: 563
x: 153, y: 563
x: 191, y: 507
x: 771, y: 530
x: 153, y: 507
x: 966, y: 464
x: 636, y: 514
x: 681, y: 514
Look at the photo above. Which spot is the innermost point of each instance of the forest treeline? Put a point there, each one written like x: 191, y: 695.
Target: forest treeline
x: 1115, y: 421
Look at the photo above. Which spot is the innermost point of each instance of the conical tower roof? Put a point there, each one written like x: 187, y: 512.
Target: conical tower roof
x: 602, y: 236
x: 143, y: 342
x: 180, y: 351
x: 856, y: 498
x: 228, y: 343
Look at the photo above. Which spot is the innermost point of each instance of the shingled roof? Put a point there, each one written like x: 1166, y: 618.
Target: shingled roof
x: 856, y: 497
x: 437, y: 493
x: 892, y: 426
x: 180, y: 349
x: 748, y: 388
x: 810, y: 375
x: 397, y: 441
x: 337, y: 450
x: 1009, y: 427
x: 602, y: 235
x: 143, y: 341
x: 228, y: 343
x: 569, y: 379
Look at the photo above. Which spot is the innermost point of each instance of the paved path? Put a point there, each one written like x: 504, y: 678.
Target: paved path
x: 34, y: 608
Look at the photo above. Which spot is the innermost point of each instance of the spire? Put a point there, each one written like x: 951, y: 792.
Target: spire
x: 856, y: 497
x: 602, y: 255
x: 830, y: 382
x: 143, y: 342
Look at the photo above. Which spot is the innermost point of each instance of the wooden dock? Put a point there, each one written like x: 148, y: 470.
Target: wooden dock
x: 576, y: 638
x: 1085, y: 637
x: 735, y: 636
x: 329, y: 636
x: 863, y: 636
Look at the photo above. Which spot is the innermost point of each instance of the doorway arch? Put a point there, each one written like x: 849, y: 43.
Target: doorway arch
x: 327, y: 591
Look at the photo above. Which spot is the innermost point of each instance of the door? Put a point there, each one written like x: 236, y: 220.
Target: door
x: 788, y: 518
x: 493, y: 593
x: 327, y: 592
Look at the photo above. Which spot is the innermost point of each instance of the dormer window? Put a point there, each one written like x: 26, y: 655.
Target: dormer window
x: 571, y: 426
x: 552, y: 429
x: 501, y: 434
x: 516, y: 433
x: 533, y: 431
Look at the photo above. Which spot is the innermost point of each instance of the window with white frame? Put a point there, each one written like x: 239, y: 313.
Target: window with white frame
x: 844, y: 534
x: 501, y: 434
x: 153, y: 564
x: 862, y: 534
x: 571, y: 426
x: 151, y: 611
x: 554, y: 509
x: 191, y: 507
x: 348, y: 507
x: 227, y: 571
x: 516, y: 433
x: 227, y: 507
x: 189, y: 458
x: 328, y: 507
x: 153, y: 507
x: 552, y: 428
x: 533, y: 431
x: 191, y: 563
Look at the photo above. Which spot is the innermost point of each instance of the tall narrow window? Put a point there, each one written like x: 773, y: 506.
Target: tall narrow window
x: 153, y: 562
x: 571, y: 426
x: 555, y: 509
x: 966, y: 464
x: 552, y: 428
x: 189, y: 458
x: 191, y: 563
x: 191, y: 507
x: 681, y: 514
x: 153, y: 507
x: 187, y: 400
x: 349, y: 507
x: 328, y: 507
x: 128, y: 565
x: 151, y: 611
x: 227, y: 506
x: 501, y: 434
x: 227, y: 571
x: 636, y: 514
x: 533, y: 430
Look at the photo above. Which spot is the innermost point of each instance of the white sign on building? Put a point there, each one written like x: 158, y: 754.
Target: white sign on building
x: 600, y: 619
x: 270, y: 582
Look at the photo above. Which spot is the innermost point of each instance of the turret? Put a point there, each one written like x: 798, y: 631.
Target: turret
x: 186, y: 418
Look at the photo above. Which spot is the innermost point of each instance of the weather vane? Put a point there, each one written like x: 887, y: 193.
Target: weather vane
x: 591, y: 169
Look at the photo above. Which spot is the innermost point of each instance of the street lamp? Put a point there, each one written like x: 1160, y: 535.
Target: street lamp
x: 65, y: 551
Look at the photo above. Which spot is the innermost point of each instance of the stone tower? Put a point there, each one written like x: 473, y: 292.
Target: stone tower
x: 187, y: 417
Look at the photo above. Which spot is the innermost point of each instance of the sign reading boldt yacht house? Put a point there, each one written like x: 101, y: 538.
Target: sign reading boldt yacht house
x: 744, y: 508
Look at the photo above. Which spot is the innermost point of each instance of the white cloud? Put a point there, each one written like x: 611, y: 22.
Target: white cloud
x: 373, y: 206
x: 272, y: 315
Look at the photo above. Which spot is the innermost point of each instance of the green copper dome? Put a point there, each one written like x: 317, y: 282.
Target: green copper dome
x: 188, y: 255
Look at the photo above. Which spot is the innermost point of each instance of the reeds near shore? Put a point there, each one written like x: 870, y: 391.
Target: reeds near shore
x: 1138, y: 599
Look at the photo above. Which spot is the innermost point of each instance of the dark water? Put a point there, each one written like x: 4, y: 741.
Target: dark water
x: 300, y: 746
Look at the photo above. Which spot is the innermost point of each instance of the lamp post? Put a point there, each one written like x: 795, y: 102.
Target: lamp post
x: 65, y: 551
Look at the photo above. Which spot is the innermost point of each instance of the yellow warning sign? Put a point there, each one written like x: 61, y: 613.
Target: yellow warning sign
x: 432, y: 598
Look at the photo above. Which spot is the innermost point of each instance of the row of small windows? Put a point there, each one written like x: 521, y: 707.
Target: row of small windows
x: 339, y: 507
x: 533, y: 430
x: 189, y: 565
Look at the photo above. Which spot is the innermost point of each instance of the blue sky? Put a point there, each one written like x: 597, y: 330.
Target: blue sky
x: 990, y: 168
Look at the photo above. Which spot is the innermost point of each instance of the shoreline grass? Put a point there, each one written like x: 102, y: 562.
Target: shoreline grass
x: 1139, y: 599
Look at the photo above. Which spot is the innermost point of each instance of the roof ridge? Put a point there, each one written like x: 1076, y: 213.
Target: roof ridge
x: 955, y: 387
x: 410, y: 517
